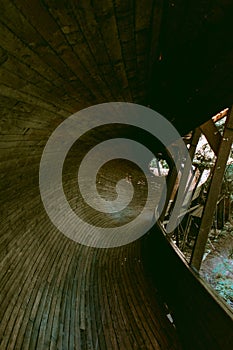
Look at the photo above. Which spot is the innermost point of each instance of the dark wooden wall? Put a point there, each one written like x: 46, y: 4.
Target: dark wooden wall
x: 57, y: 57
x: 203, y: 320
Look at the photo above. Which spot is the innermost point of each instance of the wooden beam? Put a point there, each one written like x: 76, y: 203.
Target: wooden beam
x: 171, y: 181
x: 194, y: 141
x: 173, y: 178
x: 220, y: 115
x: 213, y: 193
x: 212, y: 135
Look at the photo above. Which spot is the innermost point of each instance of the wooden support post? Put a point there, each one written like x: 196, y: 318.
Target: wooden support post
x: 194, y: 141
x: 212, y: 134
x: 213, y: 193
x: 173, y: 189
x: 171, y: 181
x: 173, y: 176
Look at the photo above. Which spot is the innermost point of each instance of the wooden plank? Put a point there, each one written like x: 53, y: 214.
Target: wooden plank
x: 171, y: 181
x: 201, y: 317
x: 212, y: 135
x: 194, y: 141
x: 220, y: 115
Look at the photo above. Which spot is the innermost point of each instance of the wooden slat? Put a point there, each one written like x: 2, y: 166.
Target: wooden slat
x: 212, y: 135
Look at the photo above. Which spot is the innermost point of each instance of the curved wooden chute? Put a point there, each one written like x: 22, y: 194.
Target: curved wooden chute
x: 57, y: 58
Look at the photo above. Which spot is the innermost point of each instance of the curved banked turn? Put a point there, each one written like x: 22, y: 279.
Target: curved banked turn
x: 57, y: 58
x: 56, y: 294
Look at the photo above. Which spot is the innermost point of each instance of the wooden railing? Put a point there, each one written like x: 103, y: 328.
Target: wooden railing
x: 203, y: 321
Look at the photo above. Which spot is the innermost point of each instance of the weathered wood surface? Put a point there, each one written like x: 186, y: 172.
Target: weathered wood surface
x: 56, y: 58
x: 203, y: 321
x: 58, y: 294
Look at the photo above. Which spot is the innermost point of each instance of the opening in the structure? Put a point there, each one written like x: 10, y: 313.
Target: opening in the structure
x: 159, y: 167
x: 205, y: 235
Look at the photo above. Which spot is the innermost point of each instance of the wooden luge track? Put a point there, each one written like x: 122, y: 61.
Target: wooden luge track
x: 56, y: 294
x: 57, y: 58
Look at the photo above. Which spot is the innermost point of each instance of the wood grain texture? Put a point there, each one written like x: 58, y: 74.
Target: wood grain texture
x: 56, y: 58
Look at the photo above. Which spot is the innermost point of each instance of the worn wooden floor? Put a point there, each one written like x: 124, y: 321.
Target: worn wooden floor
x: 56, y: 294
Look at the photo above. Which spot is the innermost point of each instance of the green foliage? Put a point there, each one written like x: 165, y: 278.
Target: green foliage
x: 224, y: 287
x: 221, y: 280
